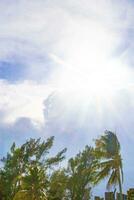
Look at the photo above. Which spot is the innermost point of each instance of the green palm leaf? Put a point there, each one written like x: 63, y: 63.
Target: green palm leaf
x: 107, y: 152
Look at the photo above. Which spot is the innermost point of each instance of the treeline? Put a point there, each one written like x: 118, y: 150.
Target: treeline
x: 29, y: 172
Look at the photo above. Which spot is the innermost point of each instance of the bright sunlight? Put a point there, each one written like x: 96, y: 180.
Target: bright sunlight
x: 89, y: 67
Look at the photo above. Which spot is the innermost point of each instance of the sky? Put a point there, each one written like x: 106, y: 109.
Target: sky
x: 66, y: 69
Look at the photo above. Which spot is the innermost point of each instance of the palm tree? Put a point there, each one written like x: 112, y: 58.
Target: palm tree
x: 107, y: 151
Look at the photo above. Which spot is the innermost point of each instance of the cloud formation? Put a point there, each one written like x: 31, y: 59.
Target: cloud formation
x: 23, y: 99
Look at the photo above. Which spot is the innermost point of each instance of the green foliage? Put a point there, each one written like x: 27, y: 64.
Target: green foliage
x: 29, y: 172
x: 81, y: 175
x: 33, y: 184
x: 24, y: 161
x: 107, y: 152
x: 58, y: 185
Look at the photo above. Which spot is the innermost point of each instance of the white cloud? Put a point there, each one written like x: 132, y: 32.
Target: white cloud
x: 44, y: 24
x: 32, y: 31
x: 23, y: 99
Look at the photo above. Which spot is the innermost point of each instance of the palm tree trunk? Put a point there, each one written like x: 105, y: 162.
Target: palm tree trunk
x: 120, y: 186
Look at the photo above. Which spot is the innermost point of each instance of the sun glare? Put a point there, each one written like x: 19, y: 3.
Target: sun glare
x: 101, y: 80
x: 88, y: 67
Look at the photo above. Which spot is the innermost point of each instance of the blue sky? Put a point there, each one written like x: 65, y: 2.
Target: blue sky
x: 66, y: 69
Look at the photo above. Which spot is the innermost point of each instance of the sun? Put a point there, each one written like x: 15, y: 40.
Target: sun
x: 87, y: 67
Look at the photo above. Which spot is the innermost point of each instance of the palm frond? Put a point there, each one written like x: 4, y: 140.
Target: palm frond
x: 113, y: 180
x: 102, y: 174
